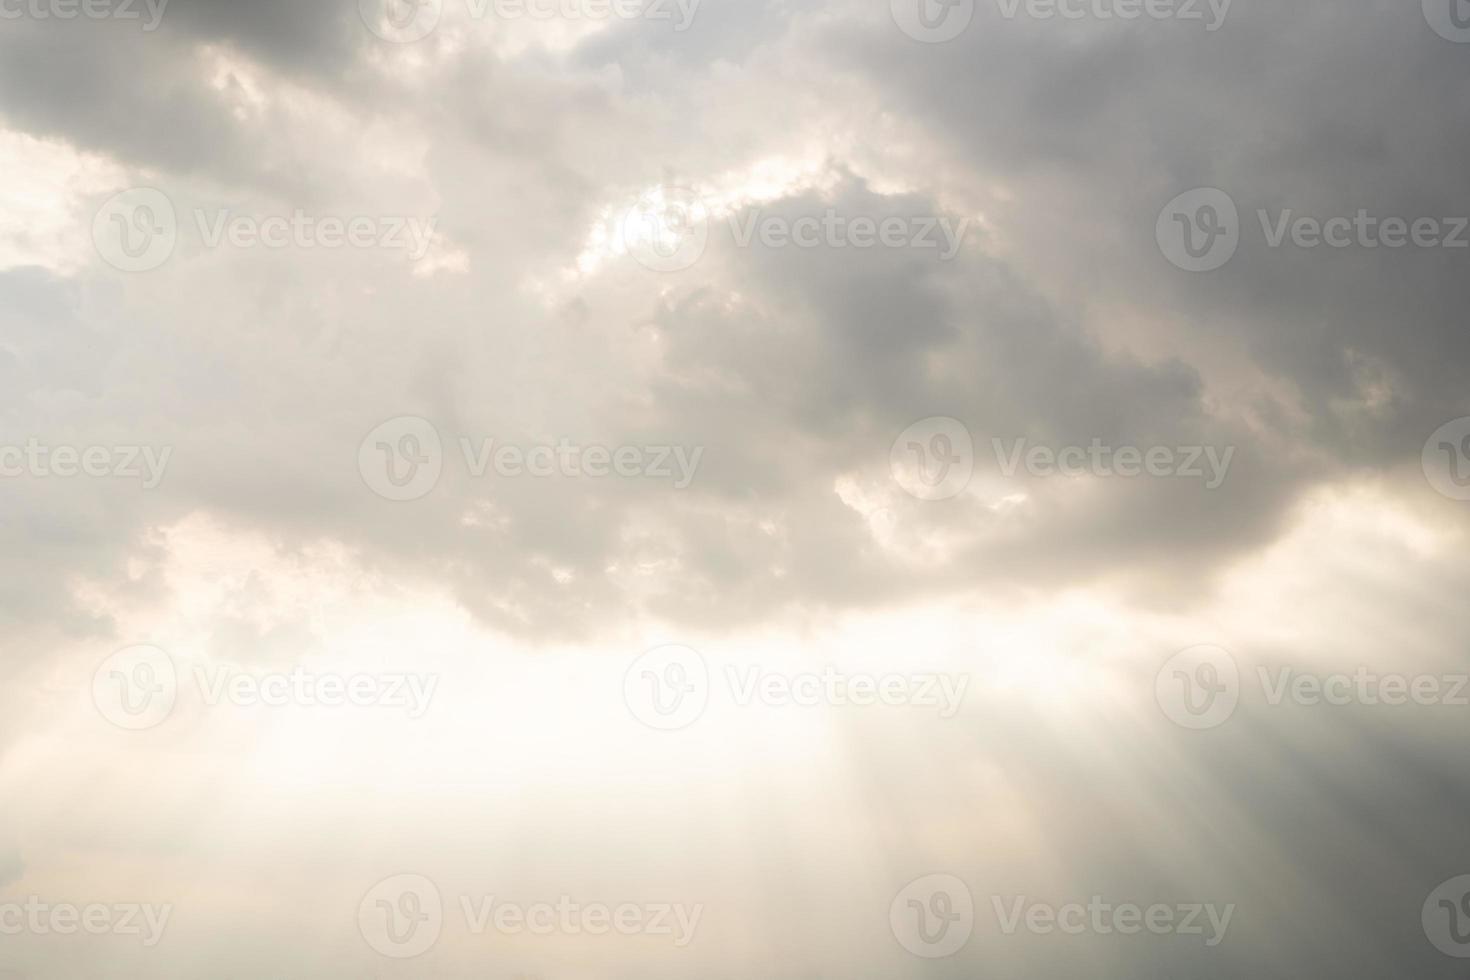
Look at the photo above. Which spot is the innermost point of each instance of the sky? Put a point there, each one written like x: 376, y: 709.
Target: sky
x: 734, y: 488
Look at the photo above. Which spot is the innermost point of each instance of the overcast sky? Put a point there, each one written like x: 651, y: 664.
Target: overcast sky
x: 624, y: 394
